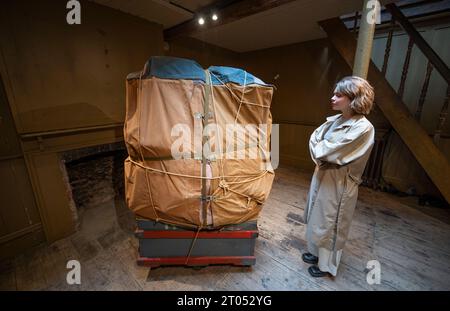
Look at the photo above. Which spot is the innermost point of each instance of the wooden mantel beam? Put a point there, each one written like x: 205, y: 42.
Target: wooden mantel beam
x: 233, y: 12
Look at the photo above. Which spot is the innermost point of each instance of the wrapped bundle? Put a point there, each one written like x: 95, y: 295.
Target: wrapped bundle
x: 198, y: 143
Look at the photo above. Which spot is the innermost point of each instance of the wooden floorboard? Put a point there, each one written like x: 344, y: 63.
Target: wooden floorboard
x: 411, y: 245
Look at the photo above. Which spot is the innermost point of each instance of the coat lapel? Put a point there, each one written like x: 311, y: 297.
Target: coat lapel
x: 346, y: 123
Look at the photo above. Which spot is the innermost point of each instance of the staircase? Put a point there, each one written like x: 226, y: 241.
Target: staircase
x: 390, y: 102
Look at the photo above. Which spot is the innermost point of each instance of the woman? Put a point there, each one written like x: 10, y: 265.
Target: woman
x: 340, y: 149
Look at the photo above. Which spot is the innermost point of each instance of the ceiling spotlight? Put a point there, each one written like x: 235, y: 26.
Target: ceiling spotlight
x: 201, y: 20
x: 214, y: 17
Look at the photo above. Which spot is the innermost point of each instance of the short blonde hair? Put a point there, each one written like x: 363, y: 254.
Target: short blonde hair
x: 359, y: 91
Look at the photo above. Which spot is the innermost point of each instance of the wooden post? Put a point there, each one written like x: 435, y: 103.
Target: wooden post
x: 387, y: 51
x: 355, y: 22
x: 367, y: 24
x: 442, y: 118
x: 401, y: 88
x: 423, y: 93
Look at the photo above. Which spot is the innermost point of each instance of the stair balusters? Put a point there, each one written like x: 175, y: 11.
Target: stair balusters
x: 423, y: 92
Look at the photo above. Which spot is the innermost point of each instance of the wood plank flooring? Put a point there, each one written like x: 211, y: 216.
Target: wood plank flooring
x: 412, y: 247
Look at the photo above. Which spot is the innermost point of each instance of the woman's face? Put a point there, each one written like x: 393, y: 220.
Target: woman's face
x: 340, y: 102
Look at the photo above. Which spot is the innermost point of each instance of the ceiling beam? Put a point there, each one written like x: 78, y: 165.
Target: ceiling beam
x: 236, y: 10
x: 175, y: 7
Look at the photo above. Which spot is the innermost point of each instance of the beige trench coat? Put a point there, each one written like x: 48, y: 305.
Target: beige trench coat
x: 340, y: 161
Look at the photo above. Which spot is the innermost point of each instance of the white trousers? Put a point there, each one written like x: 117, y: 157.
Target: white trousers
x: 328, y: 260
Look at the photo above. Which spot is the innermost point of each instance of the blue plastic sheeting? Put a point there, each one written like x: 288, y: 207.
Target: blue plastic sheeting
x: 180, y: 68
x: 220, y: 75
x: 174, y: 68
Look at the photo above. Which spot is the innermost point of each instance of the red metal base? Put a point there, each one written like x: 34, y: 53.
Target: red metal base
x: 197, y: 261
x: 160, y: 234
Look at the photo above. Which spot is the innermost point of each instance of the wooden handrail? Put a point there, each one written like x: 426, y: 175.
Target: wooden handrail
x: 418, y: 40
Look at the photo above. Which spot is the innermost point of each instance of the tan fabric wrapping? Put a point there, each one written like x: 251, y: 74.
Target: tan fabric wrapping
x: 154, y: 106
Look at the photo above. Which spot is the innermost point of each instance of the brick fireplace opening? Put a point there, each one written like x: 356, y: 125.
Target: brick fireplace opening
x: 94, y: 179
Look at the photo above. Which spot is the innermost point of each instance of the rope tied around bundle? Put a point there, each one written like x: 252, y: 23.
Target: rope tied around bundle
x: 224, y: 185
x: 224, y: 182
